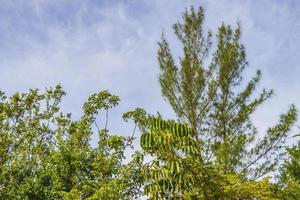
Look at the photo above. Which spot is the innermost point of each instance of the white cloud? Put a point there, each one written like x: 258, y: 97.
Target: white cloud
x: 90, y: 46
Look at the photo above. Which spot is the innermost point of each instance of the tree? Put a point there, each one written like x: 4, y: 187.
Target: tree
x: 210, y: 152
x: 47, y: 155
x: 211, y: 100
x: 205, y: 91
x: 177, y: 172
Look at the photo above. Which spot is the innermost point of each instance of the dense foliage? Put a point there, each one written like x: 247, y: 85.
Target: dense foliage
x: 211, y: 151
x: 47, y: 155
x: 288, y: 187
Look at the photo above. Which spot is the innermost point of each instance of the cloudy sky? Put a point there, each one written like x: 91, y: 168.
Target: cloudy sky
x: 92, y: 45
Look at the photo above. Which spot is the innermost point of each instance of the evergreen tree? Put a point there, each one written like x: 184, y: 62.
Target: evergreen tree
x: 205, y: 91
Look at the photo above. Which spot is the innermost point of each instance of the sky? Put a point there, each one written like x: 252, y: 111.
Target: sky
x: 93, y: 45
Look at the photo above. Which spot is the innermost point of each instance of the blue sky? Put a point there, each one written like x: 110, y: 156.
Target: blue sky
x: 92, y: 45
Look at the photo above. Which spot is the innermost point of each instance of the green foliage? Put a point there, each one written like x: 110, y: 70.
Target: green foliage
x: 211, y: 152
x: 205, y: 91
x: 140, y: 118
x: 177, y: 172
x: 47, y: 155
x: 293, y: 166
x: 288, y: 187
x: 170, y: 144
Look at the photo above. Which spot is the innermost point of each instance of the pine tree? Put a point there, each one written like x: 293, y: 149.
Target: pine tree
x: 205, y: 91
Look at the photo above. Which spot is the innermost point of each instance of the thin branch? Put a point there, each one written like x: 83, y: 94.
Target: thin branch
x: 129, y: 142
x: 272, y: 146
x: 133, y: 132
x: 97, y: 126
x: 106, y: 121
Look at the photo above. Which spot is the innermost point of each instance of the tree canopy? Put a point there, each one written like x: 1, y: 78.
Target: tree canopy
x: 211, y: 150
x: 47, y: 155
